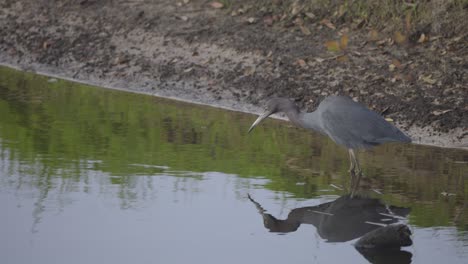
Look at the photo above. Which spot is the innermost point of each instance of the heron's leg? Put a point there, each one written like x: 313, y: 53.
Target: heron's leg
x: 356, y: 171
x: 355, y: 163
x: 351, y: 161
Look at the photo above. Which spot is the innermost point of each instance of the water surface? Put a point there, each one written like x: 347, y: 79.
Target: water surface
x: 90, y: 175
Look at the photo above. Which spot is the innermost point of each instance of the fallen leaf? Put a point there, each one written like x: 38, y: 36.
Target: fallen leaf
x: 344, y: 42
x: 305, y: 30
x: 341, y: 10
x: 360, y: 23
x: 428, y: 79
x: 310, y: 15
x: 399, y: 37
x: 408, y: 22
x: 447, y: 194
x: 391, y: 67
x: 388, y: 119
x: 298, y: 21
x: 332, y: 45
x: 268, y: 20
x: 440, y: 112
x: 381, y: 42
x: 342, y: 58
x: 301, y: 63
x: 251, y: 20
x: 373, y: 35
x: 216, y: 5
x: 423, y: 38
x: 327, y: 23
x: 249, y: 71
x: 397, y: 63
x: 296, y: 8
x: 320, y: 60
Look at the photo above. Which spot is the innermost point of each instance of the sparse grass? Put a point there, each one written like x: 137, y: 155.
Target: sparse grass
x: 403, y: 15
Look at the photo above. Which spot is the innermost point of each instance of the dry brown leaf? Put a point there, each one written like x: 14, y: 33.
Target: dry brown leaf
x: 440, y: 112
x: 399, y: 37
x: 391, y: 67
x: 408, y: 22
x: 251, y: 20
x: 301, y: 63
x: 216, y: 5
x: 342, y: 58
x: 344, y: 42
x: 373, y: 35
x: 310, y: 15
x: 341, y: 10
x: 319, y: 60
x: 305, y: 30
x: 333, y: 45
x: 397, y: 63
x: 268, y: 20
x: 249, y: 71
x: 327, y: 23
x: 428, y: 79
x: 360, y: 23
x: 296, y: 8
x: 423, y: 38
x: 381, y: 42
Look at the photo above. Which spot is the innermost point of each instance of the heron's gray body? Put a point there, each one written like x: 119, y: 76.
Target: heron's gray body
x: 350, y: 124
x: 345, y: 121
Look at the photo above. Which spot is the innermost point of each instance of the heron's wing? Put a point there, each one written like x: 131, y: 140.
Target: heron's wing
x: 353, y: 125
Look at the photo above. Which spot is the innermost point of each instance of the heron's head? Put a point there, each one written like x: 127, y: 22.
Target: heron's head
x: 275, y: 105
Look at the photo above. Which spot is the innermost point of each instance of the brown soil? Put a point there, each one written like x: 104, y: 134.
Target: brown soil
x: 236, y: 57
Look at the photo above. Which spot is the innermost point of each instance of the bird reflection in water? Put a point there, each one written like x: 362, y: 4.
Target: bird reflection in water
x: 344, y: 219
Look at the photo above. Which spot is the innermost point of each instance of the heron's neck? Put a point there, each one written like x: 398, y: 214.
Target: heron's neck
x: 295, y: 116
x: 306, y: 120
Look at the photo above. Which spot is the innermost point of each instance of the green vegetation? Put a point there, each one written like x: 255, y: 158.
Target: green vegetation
x: 58, y: 130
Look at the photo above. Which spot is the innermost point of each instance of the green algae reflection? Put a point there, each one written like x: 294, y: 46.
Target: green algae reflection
x: 61, y: 129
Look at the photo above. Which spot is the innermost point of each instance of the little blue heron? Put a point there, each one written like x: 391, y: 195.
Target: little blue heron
x: 345, y: 121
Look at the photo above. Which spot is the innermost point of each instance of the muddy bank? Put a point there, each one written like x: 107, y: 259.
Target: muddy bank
x: 237, y: 57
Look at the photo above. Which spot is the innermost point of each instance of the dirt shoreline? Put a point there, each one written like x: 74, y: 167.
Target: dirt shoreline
x: 195, y: 53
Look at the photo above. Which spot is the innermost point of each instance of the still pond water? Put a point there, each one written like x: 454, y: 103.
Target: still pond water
x: 91, y: 175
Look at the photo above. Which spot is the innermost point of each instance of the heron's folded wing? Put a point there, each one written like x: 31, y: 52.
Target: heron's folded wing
x: 354, y: 126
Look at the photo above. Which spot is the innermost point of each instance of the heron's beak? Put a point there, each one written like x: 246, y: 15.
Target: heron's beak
x: 259, y: 119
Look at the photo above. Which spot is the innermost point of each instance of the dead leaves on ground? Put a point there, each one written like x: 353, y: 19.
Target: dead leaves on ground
x: 337, y: 45
x: 216, y: 5
x: 328, y: 24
